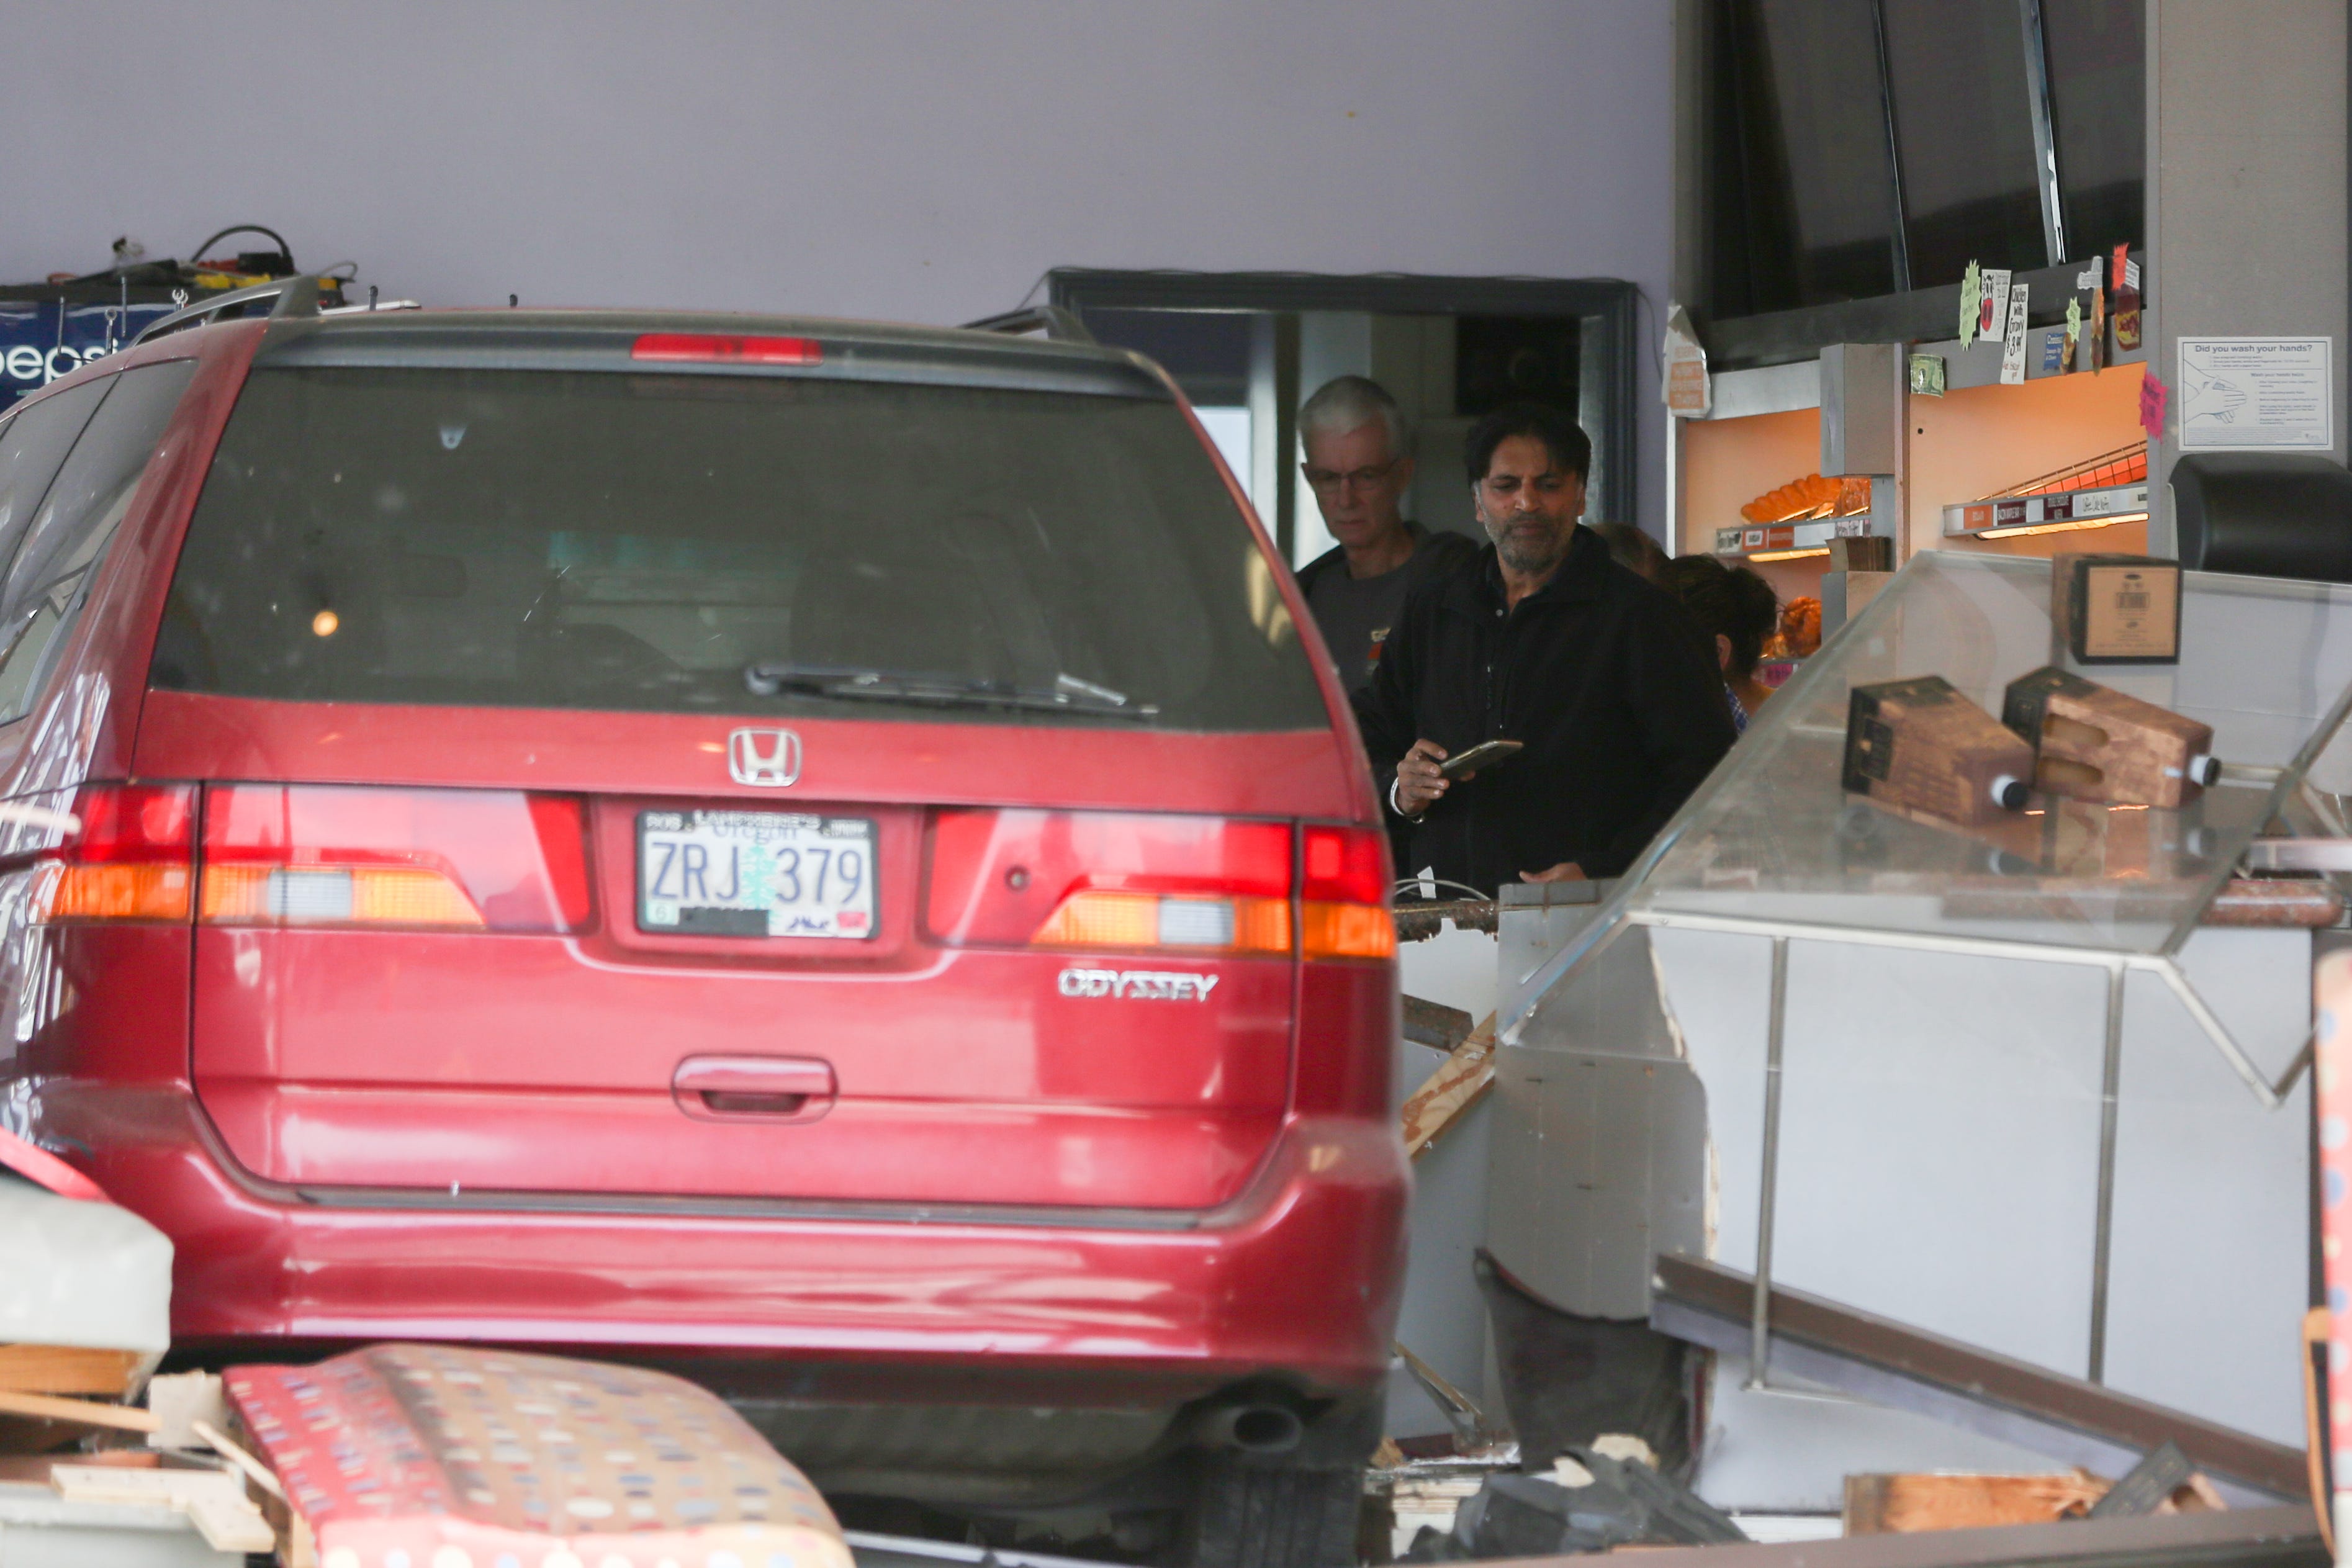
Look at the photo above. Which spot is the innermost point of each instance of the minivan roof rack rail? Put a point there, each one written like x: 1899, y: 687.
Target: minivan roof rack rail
x: 1061, y: 325
x: 295, y: 296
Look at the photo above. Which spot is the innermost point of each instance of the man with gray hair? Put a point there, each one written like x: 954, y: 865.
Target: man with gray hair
x: 1359, y: 464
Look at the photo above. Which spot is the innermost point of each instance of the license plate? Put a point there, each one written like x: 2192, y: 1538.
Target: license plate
x: 755, y: 873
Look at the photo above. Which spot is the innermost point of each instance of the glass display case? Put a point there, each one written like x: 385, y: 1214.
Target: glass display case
x: 1772, y: 844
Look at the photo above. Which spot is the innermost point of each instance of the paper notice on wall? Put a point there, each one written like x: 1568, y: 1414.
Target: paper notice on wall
x: 1972, y: 303
x: 1686, y: 388
x: 2153, y: 394
x: 2012, y: 343
x: 2240, y: 395
x: 2131, y: 273
x: 1993, y: 321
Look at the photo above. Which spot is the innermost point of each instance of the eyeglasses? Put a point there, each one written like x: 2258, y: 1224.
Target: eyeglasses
x: 1327, y: 481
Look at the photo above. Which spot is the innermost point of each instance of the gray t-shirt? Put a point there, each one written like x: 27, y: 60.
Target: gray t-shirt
x: 1355, y: 614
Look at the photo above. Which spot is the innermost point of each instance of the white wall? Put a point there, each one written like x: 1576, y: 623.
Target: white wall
x: 915, y: 159
x: 2246, y: 195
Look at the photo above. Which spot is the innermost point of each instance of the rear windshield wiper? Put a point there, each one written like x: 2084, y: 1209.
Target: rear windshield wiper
x: 1068, y: 694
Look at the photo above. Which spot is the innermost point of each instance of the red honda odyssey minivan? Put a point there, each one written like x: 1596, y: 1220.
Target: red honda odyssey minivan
x: 822, y: 856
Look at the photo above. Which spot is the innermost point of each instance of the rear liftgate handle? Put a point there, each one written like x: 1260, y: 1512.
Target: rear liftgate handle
x: 754, y: 1089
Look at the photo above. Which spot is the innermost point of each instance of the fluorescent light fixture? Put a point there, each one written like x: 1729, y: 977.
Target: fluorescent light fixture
x: 2023, y: 529
x: 1788, y: 554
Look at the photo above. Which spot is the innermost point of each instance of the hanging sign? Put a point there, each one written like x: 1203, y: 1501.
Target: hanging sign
x: 2242, y: 394
x: 2012, y: 347
x: 1687, y: 391
x: 1992, y: 320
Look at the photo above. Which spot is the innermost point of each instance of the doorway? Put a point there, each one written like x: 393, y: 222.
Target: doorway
x: 1248, y: 347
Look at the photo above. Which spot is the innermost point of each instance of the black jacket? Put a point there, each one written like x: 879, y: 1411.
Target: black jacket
x: 1600, y: 673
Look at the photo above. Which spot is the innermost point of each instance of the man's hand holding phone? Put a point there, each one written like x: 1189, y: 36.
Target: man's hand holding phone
x: 1420, y: 781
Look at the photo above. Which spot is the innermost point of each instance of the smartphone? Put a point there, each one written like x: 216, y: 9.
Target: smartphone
x: 1485, y: 754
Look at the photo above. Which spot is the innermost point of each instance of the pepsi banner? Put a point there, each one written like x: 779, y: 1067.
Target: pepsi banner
x: 41, y: 340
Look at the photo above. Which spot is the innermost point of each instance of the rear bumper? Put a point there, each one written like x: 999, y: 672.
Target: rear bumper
x: 1297, y: 1277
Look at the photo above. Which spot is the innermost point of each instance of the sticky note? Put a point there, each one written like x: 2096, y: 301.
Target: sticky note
x: 2153, y: 395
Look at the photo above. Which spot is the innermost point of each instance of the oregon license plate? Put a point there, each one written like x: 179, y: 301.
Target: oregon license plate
x: 755, y: 873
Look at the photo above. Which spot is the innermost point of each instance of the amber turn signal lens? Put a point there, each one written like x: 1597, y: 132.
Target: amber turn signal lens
x: 334, y: 895
x: 1167, y: 923
x: 115, y: 892
x: 1347, y: 930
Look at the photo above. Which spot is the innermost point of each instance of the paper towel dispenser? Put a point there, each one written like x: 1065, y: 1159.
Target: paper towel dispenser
x: 2264, y: 514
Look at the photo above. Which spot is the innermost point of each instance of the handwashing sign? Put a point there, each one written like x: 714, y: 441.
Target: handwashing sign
x: 2239, y: 394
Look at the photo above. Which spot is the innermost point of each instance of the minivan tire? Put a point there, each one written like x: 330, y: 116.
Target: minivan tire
x: 1246, y: 1515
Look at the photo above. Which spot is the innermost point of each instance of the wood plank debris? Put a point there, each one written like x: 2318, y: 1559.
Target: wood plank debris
x: 68, y: 1369
x: 83, y: 1412
x: 214, y: 1500
x: 1461, y: 1080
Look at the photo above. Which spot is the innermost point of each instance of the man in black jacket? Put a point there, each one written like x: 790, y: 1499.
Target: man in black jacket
x: 1544, y: 640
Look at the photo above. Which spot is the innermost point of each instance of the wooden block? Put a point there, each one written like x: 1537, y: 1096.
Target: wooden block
x: 1899, y: 1504
x: 2116, y: 609
x: 231, y: 1527
x: 2092, y: 742
x: 67, y: 1369
x: 82, y: 1412
x: 1918, y: 745
x: 182, y: 1399
x: 1461, y: 1080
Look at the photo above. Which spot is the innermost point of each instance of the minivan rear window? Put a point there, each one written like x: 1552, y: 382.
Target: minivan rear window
x: 731, y: 544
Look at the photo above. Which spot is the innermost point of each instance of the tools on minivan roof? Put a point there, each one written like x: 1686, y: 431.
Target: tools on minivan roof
x: 55, y: 326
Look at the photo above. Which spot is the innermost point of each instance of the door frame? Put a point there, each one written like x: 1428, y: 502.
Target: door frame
x: 1608, y: 307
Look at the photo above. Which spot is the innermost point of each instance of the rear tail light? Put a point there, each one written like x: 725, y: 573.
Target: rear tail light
x: 1177, y: 885
x: 130, y: 860
x: 716, y: 348
x: 1344, y: 894
x: 279, y: 854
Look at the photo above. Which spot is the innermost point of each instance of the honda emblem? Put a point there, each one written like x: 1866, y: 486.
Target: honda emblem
x: 768, y: 758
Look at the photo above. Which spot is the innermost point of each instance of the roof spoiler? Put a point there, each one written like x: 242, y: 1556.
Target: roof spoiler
x: 295, y: 296
x: 1060, y: 325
